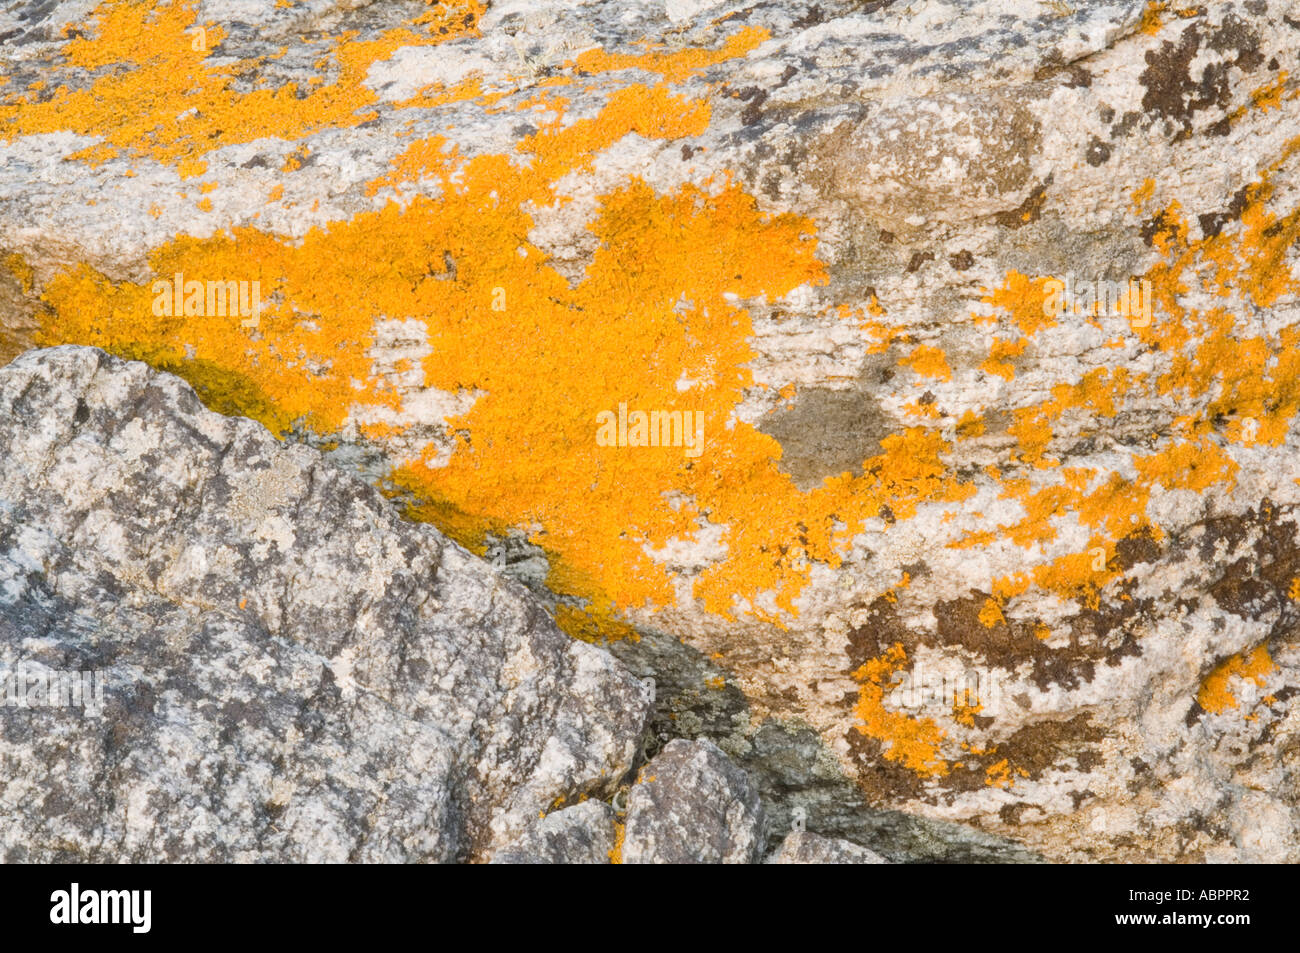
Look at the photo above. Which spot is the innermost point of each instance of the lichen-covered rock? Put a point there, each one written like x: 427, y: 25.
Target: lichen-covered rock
x: 582, y: 834
x: 692, y: 805
x: 292, y: 672
x: 486, y: 238
x: 802, y: 847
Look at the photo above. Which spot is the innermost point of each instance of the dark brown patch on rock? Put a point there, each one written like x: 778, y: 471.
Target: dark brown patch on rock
x: 1039, y: 747
x: 961, y: 261
x: 1030, y: 210
x: 918, y: 259
x: 1097, y: 153
x: 1212, y: 222
x: 882, y: 780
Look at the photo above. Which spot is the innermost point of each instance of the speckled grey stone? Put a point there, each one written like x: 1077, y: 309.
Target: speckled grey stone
x: 293, y: 672
x: 582, y: 834
x: 803, y: 847
x: 692, y: 805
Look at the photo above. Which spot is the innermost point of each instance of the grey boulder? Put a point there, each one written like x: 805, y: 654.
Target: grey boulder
x: 582, y: 834
x: 291, y: 672
x: 804, y: 847
x: 692, y: 805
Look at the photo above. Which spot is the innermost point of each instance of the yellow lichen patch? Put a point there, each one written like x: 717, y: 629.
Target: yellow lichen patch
x: 911, y: 742
x: 1143, y: 194
x: 1079, y: 576
x: 1216, y: 695
x: 616, y: 852
x: 1152, y: 16
x: 595, y: 621
x: 1269, y: 96
x: 674, y: 66
x: 1022, y: 299
x: 998, y: 774
x: 970, y: 426
x: 1002, y: 775
x: 1008, y: 587
x: 928, y: 362
x: 997, y: 363
x: 156, y: 94
x: 22, y: 271
x: 1188, y: 466
x: 991, y: 614
x: 543, y: 360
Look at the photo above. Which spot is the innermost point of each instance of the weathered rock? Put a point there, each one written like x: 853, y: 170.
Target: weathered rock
x: 691, y: 805
x: 582, y: 834
x: 802, y: 847
x: 293, y: 673
x: 825, y: 226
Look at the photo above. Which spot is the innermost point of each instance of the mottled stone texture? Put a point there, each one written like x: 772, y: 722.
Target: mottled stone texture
x: 692, y: 805
x: 805, y: 848
x: 824, y: 225
x: 293, y: 673
x: 582, y: 834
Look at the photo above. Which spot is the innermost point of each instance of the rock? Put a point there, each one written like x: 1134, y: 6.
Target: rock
x: 582, y: 834
x: 691, y: 805
x: 292, y: 672
x: 825, y: 232
x: 802, y: 847
x: 794, y: 769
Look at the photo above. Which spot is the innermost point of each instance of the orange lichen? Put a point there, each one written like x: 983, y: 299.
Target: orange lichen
x: 970, y: 426
x: 928, y: 362
x: 997, y: 363
x: 1152, y: 16
x: 1002, y: 775
x: 1216, y: 695
x: 307, y: 363
x: 991, y: 614
x: 677, y: 65
x: 964, y: 713
x: 1269, y: 96
x: 616, y: 852
x: 912, y: 742
x: 18, y: 267
x: 1021, y: 298
x: 154, y: 94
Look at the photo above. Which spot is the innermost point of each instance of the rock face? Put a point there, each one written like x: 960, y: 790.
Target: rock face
x: 971, y: 330
x: 804, y: 848
x: 692, y: 805
x: 582, y: 834
x: 291, y: 672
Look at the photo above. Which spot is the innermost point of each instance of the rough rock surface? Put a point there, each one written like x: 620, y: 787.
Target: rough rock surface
x: 692, y: 805
x: 802, y: 847
x: 292, y: 672
x: 825, y: 226
x: 582, y: 834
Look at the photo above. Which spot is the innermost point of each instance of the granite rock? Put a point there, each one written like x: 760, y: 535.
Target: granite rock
x: 291, y: 672
x: 803, y: 847
x: 582, y: 834
x: 1026, y: 571
x: 692, y: 805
